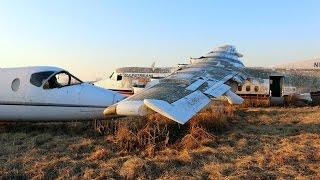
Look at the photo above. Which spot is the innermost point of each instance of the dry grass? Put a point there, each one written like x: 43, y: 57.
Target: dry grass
x: 221, y: 142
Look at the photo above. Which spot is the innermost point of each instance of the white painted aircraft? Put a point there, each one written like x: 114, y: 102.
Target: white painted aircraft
x: 50, y: 94
x: 131, y: 80
x: 219, y: 75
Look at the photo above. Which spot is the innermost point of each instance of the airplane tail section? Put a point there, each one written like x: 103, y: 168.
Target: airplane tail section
x: 153, y: 65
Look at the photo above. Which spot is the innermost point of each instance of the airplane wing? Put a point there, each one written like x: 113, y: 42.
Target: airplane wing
x: 184, y: 93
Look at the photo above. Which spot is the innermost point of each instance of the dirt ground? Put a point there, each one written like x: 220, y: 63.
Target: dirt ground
x: 251, y: 143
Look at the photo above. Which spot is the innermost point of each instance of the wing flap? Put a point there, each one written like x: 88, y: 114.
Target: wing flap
x: 194, y: 86
x: 218, y: 90
x: 182, y: 110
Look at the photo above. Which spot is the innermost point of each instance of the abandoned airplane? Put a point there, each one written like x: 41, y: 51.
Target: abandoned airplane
x: 53, y: 94
x: 50, y: 94
x: 131, y: 80
x: 185, y: 92
x: 220, y: 74
x: 272, y: 85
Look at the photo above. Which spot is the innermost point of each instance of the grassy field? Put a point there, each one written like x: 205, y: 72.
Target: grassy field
x: 221, y: 142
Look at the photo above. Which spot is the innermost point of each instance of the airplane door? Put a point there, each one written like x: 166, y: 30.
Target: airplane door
x: 276, y: 86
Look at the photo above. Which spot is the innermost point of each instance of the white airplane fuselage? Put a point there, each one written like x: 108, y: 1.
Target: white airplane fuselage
x: 131, y: 80
x: 50, y: 94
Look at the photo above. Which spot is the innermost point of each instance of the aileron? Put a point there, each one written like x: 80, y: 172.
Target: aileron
x: 219, y: 91
x: 183, y: 109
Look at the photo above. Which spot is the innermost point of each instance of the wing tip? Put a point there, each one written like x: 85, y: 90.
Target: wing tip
x: 167, y: 110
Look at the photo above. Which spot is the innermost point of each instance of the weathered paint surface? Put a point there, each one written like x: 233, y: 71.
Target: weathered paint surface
x: 213, y: 75
x: 305, y: 81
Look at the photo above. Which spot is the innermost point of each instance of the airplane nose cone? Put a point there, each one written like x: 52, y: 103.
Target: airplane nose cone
x: 95, y: 96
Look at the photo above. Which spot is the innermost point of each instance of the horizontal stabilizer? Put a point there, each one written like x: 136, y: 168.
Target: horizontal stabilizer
x: 182, y: 110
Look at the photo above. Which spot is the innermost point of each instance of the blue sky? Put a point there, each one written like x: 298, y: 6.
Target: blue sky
x: 91, y: 38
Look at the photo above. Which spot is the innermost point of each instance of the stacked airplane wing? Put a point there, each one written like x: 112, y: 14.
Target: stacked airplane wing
x: 184, y: 93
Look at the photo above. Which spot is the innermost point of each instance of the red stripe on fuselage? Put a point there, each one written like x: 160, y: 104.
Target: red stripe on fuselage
x: 123, y: 92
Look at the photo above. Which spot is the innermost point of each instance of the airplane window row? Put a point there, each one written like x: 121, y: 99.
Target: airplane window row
x: 248, y: 88
x: 59, y: 80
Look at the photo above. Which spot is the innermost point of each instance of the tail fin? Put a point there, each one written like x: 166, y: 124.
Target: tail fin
x: 153, y: 66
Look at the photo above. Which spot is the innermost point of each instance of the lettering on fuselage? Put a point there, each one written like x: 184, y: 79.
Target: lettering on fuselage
x: 138, y: 75
x: 316, y: 64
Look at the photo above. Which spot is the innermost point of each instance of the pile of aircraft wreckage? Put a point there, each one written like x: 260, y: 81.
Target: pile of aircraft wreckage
x: 178, y: 93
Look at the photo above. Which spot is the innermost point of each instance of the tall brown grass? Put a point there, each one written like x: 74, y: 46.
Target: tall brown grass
x: 220, y: 142
x: 156, y: 132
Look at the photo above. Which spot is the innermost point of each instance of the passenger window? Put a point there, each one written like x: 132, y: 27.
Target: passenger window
x: 61, y: 80
x: 37, y: 79
x: 15, y: 84
x: 119, y: 77
x: 248, y: 88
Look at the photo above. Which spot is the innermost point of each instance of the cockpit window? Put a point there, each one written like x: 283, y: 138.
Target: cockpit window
x: 38, y: 79
x: 74, y: 80
x: 60, y: 80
